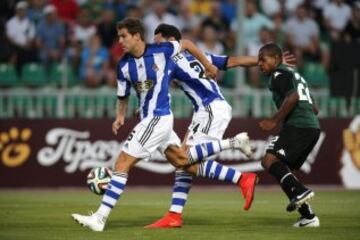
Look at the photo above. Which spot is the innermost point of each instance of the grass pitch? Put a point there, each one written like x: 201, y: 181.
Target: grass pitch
x: 210, y: 214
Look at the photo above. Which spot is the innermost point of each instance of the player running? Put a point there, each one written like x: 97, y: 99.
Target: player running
x: 149, y: 69
x: 299, y: 133
x: 211, y: 117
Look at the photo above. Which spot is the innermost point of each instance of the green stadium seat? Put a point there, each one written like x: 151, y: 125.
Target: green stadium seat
x: 354, y: 107
x: 322, y: 104
x: 8, y: 75
x: 7, y: 110
x: 47, y: 106
x: 337, y: 107
x: 246, y: 105
x: 70, y: 106
x: 61, y: 72
x: 33, y: 75
x: 315, y: 74
x: 229, y: 79
x: 267, y: 106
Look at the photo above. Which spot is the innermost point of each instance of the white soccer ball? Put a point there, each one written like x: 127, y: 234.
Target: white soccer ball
x: 98, y: 179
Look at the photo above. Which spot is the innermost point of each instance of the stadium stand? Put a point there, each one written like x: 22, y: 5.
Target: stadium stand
x: 24, y: 76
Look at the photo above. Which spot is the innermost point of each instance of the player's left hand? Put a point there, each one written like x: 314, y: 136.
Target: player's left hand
x: 267, y: 125
x: 211, y: 72
x: 289, y: 59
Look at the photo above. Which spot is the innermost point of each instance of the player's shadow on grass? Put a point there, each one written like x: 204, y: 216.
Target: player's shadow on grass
x: 194, y: 221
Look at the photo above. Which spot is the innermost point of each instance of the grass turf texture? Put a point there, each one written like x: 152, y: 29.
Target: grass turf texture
x: 210, y: 214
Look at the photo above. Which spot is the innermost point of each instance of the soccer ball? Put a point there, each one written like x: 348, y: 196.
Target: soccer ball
x: 98, y: 179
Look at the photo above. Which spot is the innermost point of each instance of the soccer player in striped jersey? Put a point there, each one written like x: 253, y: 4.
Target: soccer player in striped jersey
x: 148, y: 67
x: 212, y: 115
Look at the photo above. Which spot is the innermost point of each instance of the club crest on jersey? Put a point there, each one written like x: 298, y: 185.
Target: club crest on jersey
x: 144, y: 86
x: 155, y: 67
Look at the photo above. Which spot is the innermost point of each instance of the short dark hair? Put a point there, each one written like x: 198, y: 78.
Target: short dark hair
x: 271, y: 49
x: 167, y: 30
x: 133, y: 25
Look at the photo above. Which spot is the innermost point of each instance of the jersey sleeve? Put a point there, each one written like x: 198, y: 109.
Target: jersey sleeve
x: 171, y: 48
x: 219, y: 61
x: 123, y: 84
x: 283, y: 83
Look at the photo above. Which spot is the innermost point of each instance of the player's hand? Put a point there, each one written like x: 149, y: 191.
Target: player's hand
x: 289, y: 59
x: 267, y: 125
x: 211, y: 71
x: 119, y: 121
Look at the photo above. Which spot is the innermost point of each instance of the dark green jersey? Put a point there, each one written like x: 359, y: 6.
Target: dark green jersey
x: 283, y: 82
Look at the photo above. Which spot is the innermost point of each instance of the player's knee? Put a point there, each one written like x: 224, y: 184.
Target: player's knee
x: 192, y: 169
x: 265, y: 162
x: 268, y: 160
x: 123, y: 164
x: 181, y: 162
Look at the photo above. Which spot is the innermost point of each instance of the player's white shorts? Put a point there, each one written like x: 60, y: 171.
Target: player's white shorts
x: 209, y: 123
x: 151, y: 134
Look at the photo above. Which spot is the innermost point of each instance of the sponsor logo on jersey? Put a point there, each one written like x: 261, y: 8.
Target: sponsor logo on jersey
x: 281, y: 152
x: 144, y: 86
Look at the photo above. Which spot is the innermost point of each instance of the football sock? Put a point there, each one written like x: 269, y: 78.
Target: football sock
x: 112, y: 194
x: 200, y: 152
x: 182, y: 185
x: 306, y: 211
x: 288, y: 182
x: 213, y: 170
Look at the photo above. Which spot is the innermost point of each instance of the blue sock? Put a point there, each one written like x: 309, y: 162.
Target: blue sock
x: 182, y: 185
x: 201, y: 151
x: 213, y: 170
x: 112, y: 194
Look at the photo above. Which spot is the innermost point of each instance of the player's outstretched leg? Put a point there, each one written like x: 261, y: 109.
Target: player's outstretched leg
x: 246, y: 181
x: 201, y: 151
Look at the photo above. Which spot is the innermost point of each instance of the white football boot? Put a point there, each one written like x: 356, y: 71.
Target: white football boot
x: 304, y: 222
x: 242, y: 142
x: 94, y: 221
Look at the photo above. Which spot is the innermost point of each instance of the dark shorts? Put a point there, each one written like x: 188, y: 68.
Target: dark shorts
x: 293, y: 145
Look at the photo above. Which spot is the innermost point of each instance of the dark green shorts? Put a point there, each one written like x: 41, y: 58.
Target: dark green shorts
x: 293, y: 145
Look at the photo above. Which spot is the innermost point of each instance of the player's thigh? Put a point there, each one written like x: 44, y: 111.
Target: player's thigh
x: 221, y: 117
x: 308, y: 140
x: 290, y: 145
x: 209, y: 123
x: 268, y: 160
x: 176, y: 156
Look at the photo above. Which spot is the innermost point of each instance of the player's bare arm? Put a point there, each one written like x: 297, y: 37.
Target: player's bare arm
x: 314, y: 106
x: 287, y: 106
x: 210, y: 69
x: 250, y: 61
x: 121, y: 107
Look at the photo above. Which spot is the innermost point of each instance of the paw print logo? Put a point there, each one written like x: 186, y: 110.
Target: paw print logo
x: 352, y: 144
x: 14, y: 149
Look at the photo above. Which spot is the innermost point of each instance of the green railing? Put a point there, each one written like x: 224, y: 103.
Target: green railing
x: 79, y: 102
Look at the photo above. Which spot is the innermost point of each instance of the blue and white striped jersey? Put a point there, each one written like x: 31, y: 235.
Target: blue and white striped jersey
x: 149, y: 75
x: 190, y: 76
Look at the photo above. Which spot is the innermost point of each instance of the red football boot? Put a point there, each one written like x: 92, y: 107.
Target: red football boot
x: 169, y: 220
x: 247, y: 185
